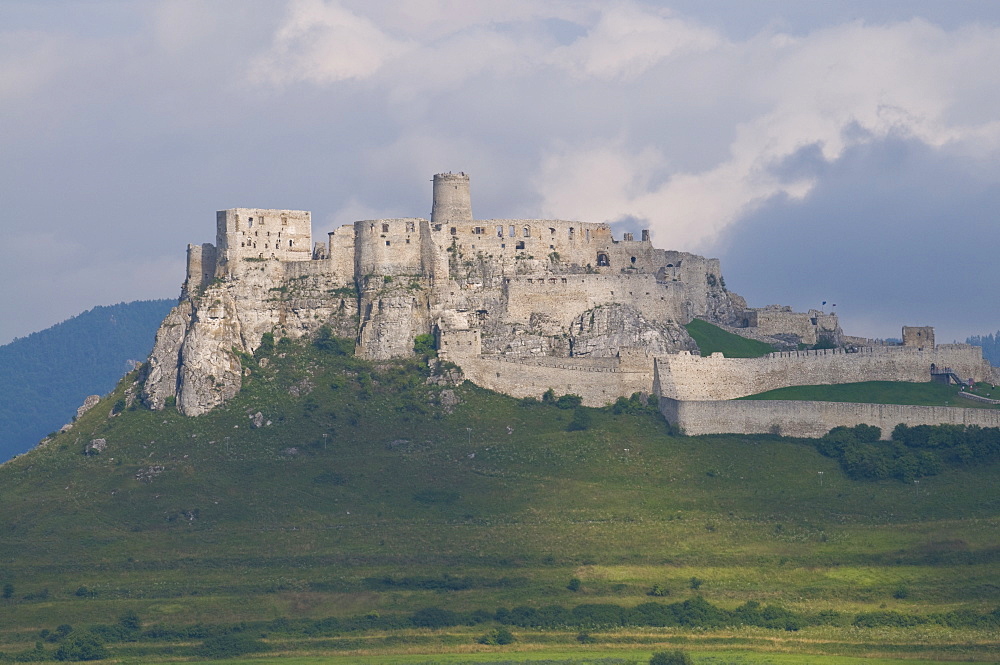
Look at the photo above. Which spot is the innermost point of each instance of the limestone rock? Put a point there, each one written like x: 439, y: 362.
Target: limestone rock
x: 605, y: 331
x: 89, y: 403
x: 96, y: 446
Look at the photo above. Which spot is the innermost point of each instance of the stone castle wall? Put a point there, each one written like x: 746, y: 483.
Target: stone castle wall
x: 689, y: 377
x: 253, y: 233
x: 811, y: 419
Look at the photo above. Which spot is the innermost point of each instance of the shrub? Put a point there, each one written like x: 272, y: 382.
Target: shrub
x: 83, y: 646
x: 574, y: 584
x: 266, y: 347
x: 424, y: 345
x: 581, y: 420
x: 696, y: 583
x: 658, y: 590
x: 569, y: 401
x: 670, y: 658
x: 498, y: 637
x: 549, y: 396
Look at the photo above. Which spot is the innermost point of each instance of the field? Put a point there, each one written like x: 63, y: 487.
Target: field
x: 364, y: 518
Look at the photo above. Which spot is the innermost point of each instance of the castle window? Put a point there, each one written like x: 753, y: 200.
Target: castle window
x: 289, y: 243
x: 588, y: 235
x: 454, y: 231
x: 385, y: 228
x: 552, y: 231
x: 632, y: 260
x: 386, y: 243
x: 243, y: 244
x: 512, y: 232
x: 503, y: 245
x: 410, y: 227
x: 552, y: 246
x: 407, y: 241
x: 499, y: 232
x: 520, y: 244
x: 565, y: 281
x: 526, y: 232
x: 251, y: 222
x: 602, y: 260
x: 284, y: 220
x: 571, y: 229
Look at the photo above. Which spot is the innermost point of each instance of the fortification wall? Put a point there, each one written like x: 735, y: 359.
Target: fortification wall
x: 243, y: 233
x: 201, y: 263
x: 688, y: 377
x: 388, y: 246
x: 564, y: 297
x: 597, y: 383
x: 811, y: 419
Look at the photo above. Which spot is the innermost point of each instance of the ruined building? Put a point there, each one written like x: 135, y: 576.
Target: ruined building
x: 520, y: 305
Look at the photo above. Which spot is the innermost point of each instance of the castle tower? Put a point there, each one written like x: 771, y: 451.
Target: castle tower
x: 452, y: 202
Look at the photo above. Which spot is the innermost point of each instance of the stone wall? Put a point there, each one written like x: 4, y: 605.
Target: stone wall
x: 689, y: 377
x: 811, y: 419
x: 253, y: 233
x: 597, y: 383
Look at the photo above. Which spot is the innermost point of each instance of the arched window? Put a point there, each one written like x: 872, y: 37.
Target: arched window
x: 527, y: 232
x: 603, y: 260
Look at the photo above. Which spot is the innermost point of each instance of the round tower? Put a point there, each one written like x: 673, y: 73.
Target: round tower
x: 452, y: 202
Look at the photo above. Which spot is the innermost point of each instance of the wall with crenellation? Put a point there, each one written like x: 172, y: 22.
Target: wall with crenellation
x: 811, y: 419
x: 689, y: 377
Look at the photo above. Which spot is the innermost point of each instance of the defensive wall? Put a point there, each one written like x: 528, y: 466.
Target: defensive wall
x: 598, y: 383
x: 567, y: 296
x: 810, y: 419
x: 689, y: 377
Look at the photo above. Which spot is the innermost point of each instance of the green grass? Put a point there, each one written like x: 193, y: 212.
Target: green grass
x: 713, y: 339
x: 875, y: 392
x: 208, y: 520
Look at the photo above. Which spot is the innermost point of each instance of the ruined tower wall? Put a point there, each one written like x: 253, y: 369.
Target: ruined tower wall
x: 253, y: 233
x: 201, y: 262
x: 388, y: 247
x: 452, y: 200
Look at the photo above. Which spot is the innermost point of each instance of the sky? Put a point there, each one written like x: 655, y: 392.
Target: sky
x: 844, y: 152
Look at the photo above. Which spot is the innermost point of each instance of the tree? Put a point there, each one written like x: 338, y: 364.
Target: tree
x: 580, y: 421
x: 424, y: 345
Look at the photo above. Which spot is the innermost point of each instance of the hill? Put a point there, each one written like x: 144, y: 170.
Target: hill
x: 45, y: 376
x: 878, y: 392
x: 339, y: 506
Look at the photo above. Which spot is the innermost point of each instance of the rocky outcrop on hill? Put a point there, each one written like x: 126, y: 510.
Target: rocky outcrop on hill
x: 604, y: 331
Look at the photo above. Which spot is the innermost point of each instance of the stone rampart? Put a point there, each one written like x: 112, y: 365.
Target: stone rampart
x: 598, y: 384
x: 565, y: 297
x: 689, y: 377
x: 811, y: 419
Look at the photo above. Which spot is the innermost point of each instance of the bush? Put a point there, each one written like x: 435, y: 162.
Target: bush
x: 670, y: 658
x: 498, y: 637
x: 424, y: 345
x: 569, y: 401
x: 83, y: 646
x: 574, y: 584
x: 326, y: 342
x: 266, y: 347
x: 659, y: 591
x: 581, y: 420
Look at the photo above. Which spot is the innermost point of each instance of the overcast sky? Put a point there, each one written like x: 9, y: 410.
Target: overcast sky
x: 826, y: 151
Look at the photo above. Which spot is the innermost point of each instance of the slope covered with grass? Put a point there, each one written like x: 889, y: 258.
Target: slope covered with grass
x: 875, y: 392
x: 713, y: 339
x: 363, y: 501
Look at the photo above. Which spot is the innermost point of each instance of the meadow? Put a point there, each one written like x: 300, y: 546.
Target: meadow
x: 362, y: 517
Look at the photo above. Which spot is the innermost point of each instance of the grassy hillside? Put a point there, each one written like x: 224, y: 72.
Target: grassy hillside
x: 45, y: 376
x: 361, y: 504
x: 876, y: 392
x: 713, y: 339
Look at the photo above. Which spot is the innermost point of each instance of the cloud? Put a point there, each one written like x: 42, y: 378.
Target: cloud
x: 322, y: 42
x: 629, y: 39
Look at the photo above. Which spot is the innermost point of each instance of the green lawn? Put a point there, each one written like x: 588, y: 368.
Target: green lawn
x: 876, y: 392
x: 713, y: 339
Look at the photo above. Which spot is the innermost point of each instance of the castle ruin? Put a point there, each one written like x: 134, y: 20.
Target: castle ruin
x: 521, y: 305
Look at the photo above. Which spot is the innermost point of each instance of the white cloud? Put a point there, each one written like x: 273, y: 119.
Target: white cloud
x: 630, y: 39
x: 321, y: 42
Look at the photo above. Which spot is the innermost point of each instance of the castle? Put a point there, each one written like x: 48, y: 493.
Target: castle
x: 520, y: 305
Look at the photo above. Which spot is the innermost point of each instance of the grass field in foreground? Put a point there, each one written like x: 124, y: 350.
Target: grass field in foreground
x: 363, y: 474
x: 875, y: 392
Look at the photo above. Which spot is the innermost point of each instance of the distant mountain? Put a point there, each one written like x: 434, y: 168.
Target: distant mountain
x: 45, y: 376
x: 990, y: 344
